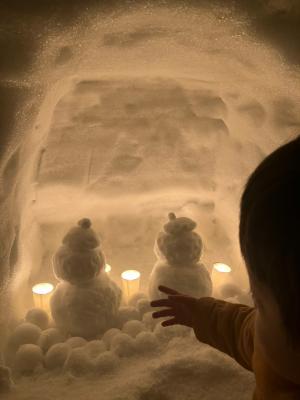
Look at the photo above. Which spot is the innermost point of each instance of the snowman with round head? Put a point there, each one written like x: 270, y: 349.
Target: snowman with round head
x: 85, y: 301
x: 178, y: 250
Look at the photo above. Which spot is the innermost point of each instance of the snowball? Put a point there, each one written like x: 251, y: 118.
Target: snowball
x: 134, y: 327
x: 38, y: 317
x: 108, y: 335
x: 166, y: 333
x: 143, y: 306
x: 6, y: 382
x: 106, y: 362
x: 76, y: 341
x: 26, y: 333
x: 229, y: 290
x: 135, y: 298
x: 149, y: 321
x: 95, y: 347
x: 57, y: 355
x: 146, y: 341
x: 125, y: 314
x: 78, y: 362
x: 48, y: 338
x: 123, y: 345
x: 28, y: 358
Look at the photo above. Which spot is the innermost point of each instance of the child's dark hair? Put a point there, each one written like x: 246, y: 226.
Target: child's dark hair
x: 270, y: 231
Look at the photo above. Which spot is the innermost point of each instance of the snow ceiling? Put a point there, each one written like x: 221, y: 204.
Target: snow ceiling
x: 125, y: 112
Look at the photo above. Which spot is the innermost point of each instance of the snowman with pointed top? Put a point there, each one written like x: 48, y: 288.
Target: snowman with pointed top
x: 85, y: 301
x: 178, y: 250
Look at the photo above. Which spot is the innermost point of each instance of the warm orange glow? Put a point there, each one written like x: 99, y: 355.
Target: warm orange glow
x: 131, y: 283
x: 130, y: 275
x: 43, y: 288
x: 107, y: 268
x: 221, y: 267
x: 41, y: 295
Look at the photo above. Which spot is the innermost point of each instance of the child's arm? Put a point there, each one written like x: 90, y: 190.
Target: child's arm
x: 227, y: 327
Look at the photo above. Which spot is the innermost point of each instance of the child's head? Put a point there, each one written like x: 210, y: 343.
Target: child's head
x: 270, y: 233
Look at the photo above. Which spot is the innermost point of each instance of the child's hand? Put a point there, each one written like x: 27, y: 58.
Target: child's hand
x: 182, y: 308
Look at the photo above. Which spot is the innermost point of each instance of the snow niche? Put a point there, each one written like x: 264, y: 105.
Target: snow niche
x: 179, y: 249
x: 86, y: 301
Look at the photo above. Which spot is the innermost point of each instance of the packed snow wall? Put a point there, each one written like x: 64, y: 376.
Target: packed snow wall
x: 125, y: 112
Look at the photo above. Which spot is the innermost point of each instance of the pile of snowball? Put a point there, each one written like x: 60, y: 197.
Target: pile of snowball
x: 37, y: 347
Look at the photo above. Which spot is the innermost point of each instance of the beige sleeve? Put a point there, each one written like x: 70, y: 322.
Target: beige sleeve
x: 227, y: 327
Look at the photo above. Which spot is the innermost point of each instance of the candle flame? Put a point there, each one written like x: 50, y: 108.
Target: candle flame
x: 107, y: 268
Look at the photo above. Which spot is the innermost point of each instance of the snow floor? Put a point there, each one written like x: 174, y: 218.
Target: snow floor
x: 182, y: 369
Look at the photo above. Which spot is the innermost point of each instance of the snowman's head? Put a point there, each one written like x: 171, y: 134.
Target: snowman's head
x: 179, y: 244
x: 79, y: 259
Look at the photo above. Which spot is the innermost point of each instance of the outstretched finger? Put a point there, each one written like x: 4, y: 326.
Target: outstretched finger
x: 170, y: 322
x: 167, y: 290
x: 164, y: 313
x: 182, y: 299
x: 160, y: 303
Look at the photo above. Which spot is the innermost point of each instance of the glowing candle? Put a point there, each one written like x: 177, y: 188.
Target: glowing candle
x: 131, y: 283
x: 221, y: 275
x: 41, y: 295
x: 107, y: 268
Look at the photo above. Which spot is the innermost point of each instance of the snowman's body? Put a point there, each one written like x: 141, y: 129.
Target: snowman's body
x: 178, y: 250
x: 193, y: 280
x: 88, y: 310
x: 86, y: 301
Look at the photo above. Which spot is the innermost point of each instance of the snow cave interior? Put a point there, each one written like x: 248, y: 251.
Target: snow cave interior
x: 117, y: 114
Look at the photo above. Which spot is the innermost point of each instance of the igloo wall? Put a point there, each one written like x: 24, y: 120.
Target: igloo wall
x: 124, y: 112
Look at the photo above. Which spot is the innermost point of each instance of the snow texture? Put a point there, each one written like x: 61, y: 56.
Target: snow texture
x: 38, y: 317
x: 192, y: 280
x: 127, y: 313
x: 137, y: 131
x: 146, y: 341
x: 25, y: 333
x: 78, y: 362
x: 28, y: 358
x: 133, y: 327
x: 123, y: 345
x: 88, y: 310
x: 95, y: 347
x: 76, y: 341
x: 49, y: 337
x: 108, y: 336
x: 106, y: 362
x: 57, y: 355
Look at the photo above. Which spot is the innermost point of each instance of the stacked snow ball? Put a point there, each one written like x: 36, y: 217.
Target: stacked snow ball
x: 108, y: 336
x: 165, y: 334
x: 149, y: 321
x: 134, y: 327
x: 28, y: 358
x: 133, y: 300
x: 123, y: 345
x: 146, y: 342
x: 126, y: 313
x: 106, y: 362
x: 76, y: 341
x: 57, y: 355
x: 78, y: 362
x: 143, y: 306
x: 48, y: 338
x: 25, y: 333
x: 38, y: 317
x: 94, y: 348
